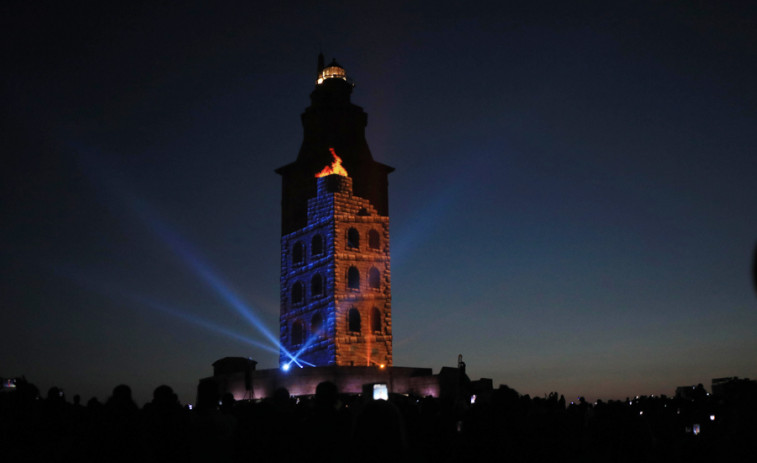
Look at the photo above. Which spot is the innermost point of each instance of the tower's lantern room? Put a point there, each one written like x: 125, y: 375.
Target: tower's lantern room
x: 332, y: 71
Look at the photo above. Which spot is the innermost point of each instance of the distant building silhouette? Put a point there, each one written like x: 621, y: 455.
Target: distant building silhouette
x: 734, y: 388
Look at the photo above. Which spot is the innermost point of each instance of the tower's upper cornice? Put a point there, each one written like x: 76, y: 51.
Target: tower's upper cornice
x: 331, y: 123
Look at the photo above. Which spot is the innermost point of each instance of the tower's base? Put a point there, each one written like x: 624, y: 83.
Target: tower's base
x: 248, y: 383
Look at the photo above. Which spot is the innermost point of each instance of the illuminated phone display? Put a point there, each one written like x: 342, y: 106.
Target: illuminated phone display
x: 380, y: 392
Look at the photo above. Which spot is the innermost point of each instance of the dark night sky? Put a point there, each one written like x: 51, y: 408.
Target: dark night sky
x: 574, y: 205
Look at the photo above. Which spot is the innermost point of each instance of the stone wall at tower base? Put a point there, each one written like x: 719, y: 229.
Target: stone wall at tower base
x: 421, y: 382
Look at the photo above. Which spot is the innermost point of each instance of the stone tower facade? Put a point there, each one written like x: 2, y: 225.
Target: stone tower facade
x: 336, y: 282
x: 335, y: 264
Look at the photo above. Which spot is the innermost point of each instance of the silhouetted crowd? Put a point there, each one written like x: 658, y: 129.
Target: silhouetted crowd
x: 501, y: 425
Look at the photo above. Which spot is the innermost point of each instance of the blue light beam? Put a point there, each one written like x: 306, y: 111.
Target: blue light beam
x: 99, y: 173
x: 202, y: 322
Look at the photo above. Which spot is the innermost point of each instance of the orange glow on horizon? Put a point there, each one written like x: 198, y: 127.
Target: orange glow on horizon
x: 334, y: 168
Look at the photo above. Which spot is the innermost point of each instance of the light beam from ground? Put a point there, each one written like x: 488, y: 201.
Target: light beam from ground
x: 202, y: 322
x: 112, y: 181
x: 202, y: 270
x: 109, y: 290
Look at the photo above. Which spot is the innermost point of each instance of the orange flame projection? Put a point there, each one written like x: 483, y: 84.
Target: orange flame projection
x: 334, y: 168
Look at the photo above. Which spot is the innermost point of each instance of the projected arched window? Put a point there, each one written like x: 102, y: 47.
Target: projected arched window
x: 298, y: 333
x: 298, y: 291
x: 298, y: 253
x: 316, y: 245
x: 374, y: 241
x: 375, y: 320
x: 353, y: 320
x: 353, y: 238
x: 374, y: 278
x: 353, y: 278
x: 316, y: 285
x: 316, y: 323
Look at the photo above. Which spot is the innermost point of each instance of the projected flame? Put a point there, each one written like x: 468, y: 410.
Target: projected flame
x: 334, y: 168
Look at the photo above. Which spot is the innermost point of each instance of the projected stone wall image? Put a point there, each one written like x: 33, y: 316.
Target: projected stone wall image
x: 336, y: 282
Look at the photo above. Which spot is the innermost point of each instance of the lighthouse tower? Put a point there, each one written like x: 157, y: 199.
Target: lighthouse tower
x: 336, y: 293
x: 335, y: 264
